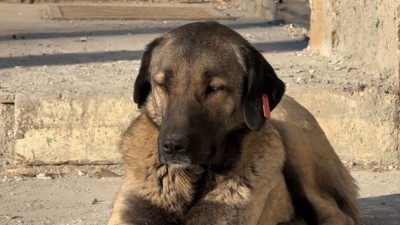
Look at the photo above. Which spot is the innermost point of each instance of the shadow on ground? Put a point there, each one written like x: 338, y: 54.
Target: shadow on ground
x: 68, y: 58
x: 381, y: 210
x: 111, y: 56
x: 118, y: 32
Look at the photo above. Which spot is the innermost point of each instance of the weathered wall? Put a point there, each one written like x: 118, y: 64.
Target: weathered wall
x: 290, y: 11
x: 360, y: 125
x: 367, y: 33
x: 397, y: 72
x: 69, y: 128
x: 6, y: 133
x: 265, y: 8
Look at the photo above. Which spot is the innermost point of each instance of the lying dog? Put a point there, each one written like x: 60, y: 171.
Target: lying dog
x: 205, y: 151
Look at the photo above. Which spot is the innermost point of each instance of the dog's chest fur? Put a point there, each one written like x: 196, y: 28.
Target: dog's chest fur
x: 177, y: 189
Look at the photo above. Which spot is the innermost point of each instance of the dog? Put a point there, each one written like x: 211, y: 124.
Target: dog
x: 206, y: 150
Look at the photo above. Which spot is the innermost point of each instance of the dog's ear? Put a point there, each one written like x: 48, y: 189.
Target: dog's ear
x: 260, y: 79
x: 142, y: 86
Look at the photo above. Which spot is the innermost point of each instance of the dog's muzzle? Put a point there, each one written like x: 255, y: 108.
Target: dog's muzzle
x: 173, y: 149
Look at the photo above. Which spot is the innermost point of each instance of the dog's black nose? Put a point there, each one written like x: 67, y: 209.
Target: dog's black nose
x: 175, y: 145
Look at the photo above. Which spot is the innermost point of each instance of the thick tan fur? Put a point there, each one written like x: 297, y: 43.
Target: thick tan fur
x: 265, y: 202
x: 318, y: 172
x: 143, y: 173
x: 307, y: 150
x: 203, y: 82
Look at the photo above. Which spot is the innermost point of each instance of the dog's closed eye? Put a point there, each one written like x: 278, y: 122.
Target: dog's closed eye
x: 161, y: 85
x: 160, y: 81
x: 214, y: 89
x: 216, y: 85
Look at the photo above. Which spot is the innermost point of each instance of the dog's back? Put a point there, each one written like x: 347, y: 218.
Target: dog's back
x: 312, y: 169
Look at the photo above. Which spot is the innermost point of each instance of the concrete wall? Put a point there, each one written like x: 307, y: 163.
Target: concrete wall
x: 6, y: 133
x: 397, y: 73
x: 65, y: 128
x: 367, y: 33
x: 265, y: 8
x: 360, y: 125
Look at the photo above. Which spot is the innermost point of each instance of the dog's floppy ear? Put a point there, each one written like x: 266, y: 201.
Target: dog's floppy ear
x: 142, y: 85
x: 260, y: 79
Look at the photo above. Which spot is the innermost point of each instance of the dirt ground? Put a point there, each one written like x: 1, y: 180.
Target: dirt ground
x: 41, y: 56
x: 87, y: 200
x: 63, y: 55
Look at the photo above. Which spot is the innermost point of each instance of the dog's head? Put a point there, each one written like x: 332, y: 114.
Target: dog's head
x: 199, y: 83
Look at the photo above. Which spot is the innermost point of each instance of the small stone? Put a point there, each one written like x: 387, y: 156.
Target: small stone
x: 361, y: 87
x: 13, y: 217
x: 311, y: 71
x: 375, y: 169
x: 83, y: 39
x: 43, y: 176
x: 334, y: 62
x: 104, y: 173
x: 338, y: 68
x: 95, y: 201
x: 81, y: 173
x: 350, y: 69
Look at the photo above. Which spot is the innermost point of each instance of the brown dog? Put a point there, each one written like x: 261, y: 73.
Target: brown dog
x: 204, y: 150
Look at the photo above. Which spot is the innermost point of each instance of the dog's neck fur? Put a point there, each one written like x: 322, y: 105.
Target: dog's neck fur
x: 230, y: 152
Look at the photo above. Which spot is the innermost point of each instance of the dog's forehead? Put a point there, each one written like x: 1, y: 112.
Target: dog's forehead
x: 178, y: 59
x: 205, y: 36
x: 206, y: 30
x: 199, y: 46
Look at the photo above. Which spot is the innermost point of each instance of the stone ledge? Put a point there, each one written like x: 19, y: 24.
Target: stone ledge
x: 83, y: 129
x: 360, y: 125
x: 86, y: 129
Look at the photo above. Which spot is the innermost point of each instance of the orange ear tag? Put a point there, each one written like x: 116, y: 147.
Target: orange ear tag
x: 266, y: 109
